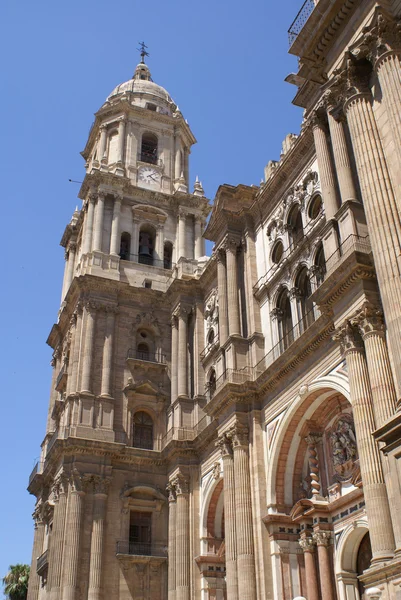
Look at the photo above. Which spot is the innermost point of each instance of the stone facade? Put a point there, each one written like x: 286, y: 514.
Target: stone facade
x: 229, y: 427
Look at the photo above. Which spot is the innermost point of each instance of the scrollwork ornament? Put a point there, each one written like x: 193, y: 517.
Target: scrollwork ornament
x: 100, y: 485
x: 370, y: 321
x: 181, y: 485
x: 349, y: 339
x: 224, y: 445
x: 322, y: 538
x: 171, y: 492
x: 381, y: 38
x: 239, y: 435
x: 307, y: 544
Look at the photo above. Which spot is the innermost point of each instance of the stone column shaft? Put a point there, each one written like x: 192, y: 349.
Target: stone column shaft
x: 96, y: 554
x: 198, y: 238
x: 88, y: 226
x: 174, y: 359
x: 73, y: 334
x: 115, y: 228
x: 73, y: 385
x: 182, y: 543
x: 178, y: 166
x: 374, y: 488
x: 57, y: 544
x: 135, y: 238
x: 310, y: 569
x: 222, y: 291
x: 121, y: 141
x: 87, y: 358
x: 243, y: 517
x: 341, y: 159
x: 159, y: 245
x: 102, y: 142
x: 183, y: 353
x: 326, y: 171
x: 181, y: 235
x: 107, y: 366
x: 98, y: 231
x: 70, y: 267
x: 34, y: 579
x: 325, y: 568
x: 172, y: 528
x: 232, y: 290
x: 72, y: 543
x: 229, y: 520
x: 384, y: 220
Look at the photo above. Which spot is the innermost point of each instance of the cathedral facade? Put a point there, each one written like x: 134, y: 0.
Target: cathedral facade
x: 229, y: 427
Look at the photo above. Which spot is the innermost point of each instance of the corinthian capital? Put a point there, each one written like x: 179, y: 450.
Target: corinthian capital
x: 181, y: 484
x: 307, y: 544
x: 238, y: 435
x: 370, y: 321
x: 224, y: 445
x: 349, y: 338
x: 322, y: 538
x: 381, y: 38
x: 172, y: 497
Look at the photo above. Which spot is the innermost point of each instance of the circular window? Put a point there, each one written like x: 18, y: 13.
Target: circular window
x: 315, y: 207
x: 278, y: 252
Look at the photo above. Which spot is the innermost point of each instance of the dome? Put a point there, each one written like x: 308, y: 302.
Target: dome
x: 142, y: 85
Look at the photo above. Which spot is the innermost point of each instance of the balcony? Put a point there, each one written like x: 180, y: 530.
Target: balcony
x: 61, y: 378
x: 300, y: 20
x: 154, y: 357
x: 139, y: 552
x: 149, y: 261
x: 42, y: 563
x: 35, y: 477
x: 209, y: 348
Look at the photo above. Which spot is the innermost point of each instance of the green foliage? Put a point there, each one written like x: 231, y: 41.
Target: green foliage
x: 16, y: 582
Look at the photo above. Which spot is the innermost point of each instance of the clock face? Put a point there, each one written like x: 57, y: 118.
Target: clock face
x: 149, y: 175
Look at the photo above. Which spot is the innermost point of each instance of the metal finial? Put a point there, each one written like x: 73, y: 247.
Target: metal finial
x: 142, y: 51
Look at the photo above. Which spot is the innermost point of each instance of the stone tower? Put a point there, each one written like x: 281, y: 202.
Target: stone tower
x: 138, y: 234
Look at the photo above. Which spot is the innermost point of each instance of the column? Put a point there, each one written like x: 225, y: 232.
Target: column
x: 100, y: 487
x: 174, y: 358
x: 73, y: 336
x: 103, y: 142
x: 107, y: 364
x: 121, y: 140
x: 159, y: 245
x: 341, y: 156
x: 74, y: 520
x: 135, y: 238
x: 232, y: 288
x: 370, y: 323
x: 182, y: 352
x: 326, y: 171
x: 229, y: 518
x: 98, y: 231
x: 181, y: 234
x: 374, y: 488
x: 313, y: 439
x: 382, y: 215
x: 115, y: 227
x: 198, y: 238
x: 72, y: 385
x: 64, y: 286
x: 222, y: 291
x: 298, y: 325
x: 172, y: 505
x: 38, y: 539
x: 87, y: 356
x: 88, y: 227
x: 243, y: 514
x: 182, y: 539
x: 57, y: 539
x: 307, y: 544
x: 72, y: 248
x: 322, y: 539
x: 178, y: 166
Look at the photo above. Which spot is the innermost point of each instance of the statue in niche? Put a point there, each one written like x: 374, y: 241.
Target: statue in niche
x: 212, y: 311
x: 343, y: 446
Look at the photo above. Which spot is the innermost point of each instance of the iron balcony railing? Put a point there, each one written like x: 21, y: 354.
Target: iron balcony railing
x: 146, y: 356
x: 37, y: 469
x: 353, y: 243
x: 207, y: 349
x: 60, y: 376
x: 141, y: 549
x: 150, y: 261
x: 299, y: 22
x: 42, y: 562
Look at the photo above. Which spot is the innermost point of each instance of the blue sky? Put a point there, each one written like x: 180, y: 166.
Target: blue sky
x: 223, y: 62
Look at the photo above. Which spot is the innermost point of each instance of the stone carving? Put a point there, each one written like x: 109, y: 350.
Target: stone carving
x: 343, y: 447
x: 212, y: 310
x: 216, y: 470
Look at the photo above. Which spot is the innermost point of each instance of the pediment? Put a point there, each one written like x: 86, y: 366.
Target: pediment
x: 144, y: 387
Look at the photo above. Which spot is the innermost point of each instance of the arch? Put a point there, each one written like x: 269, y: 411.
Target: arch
x: 285, y: 323
x: 211, y: 381
x: 142, y: 430
x: 168, y: 255
x: 320, y: 263
x: 212, y: 515
x: 299, y: 409
x: 125, y: 246
x: 277, y: 252
x: 144, y: 489
x: 295, y: 225
x: 149, y: 147
x: 315, y: 206
x: 305, y: 306
x: 146, y: 244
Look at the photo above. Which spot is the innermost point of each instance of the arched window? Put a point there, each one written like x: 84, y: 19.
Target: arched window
x: 305, y: 305
x: 315, y: 207
x: 149, y: 148
x: 295, y: 226
x: 210, y: 337
x: 125, y: 246
x: 212, y: 383
x: 145, y: 347
x: 320, y: 263
x: 278, y: 252
x: 112, y: 150
x: 168, y: 255
x: 147, y: 237
x: 285, y: 323
x: 143, y: 431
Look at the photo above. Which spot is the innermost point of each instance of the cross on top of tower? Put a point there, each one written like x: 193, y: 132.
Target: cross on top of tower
x: 142, y: 51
